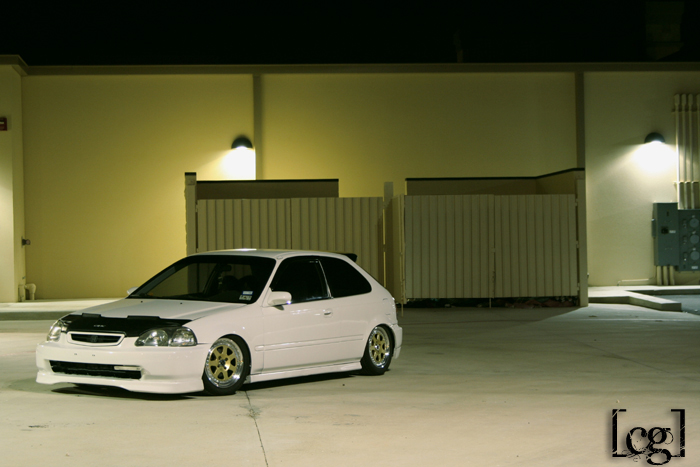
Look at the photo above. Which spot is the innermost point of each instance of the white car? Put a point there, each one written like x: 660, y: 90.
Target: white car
x: 214, y: 321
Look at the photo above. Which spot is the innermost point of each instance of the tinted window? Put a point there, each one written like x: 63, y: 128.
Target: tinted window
x: 343, y: 279
x: 301, y: 277
x: 232, y: 279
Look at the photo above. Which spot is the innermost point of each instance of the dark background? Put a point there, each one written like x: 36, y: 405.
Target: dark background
x: 100, y: 33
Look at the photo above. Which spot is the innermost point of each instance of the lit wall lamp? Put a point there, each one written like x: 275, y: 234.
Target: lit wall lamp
x: 654, y: 138
x: 654, y: 156
x: 239, y: 164
x: 243, y: 143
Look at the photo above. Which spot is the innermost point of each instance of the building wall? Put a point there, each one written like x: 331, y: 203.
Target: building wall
x: 367, y: 129
x: 623, y: 177
x: 106, y: 155
x: 12, y: 266
x: 105, y: 160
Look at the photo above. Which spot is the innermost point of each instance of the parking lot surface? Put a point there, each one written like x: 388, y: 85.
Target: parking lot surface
x: 487, y: 387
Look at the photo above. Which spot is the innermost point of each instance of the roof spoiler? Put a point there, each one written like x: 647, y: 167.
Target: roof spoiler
x: 352, y: 256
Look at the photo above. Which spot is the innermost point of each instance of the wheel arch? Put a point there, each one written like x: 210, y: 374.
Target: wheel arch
x: 383, y: 324
x: 245, y: 343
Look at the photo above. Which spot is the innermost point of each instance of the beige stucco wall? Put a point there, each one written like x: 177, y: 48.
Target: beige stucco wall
x: 366, y: 129
x: 105, y: 161
x: 12, y: 265
x: 623, y: 181
x: 106, y: 155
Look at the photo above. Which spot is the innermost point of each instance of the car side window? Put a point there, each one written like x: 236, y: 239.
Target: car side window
x: 301, y: 277
x: 343, y: 279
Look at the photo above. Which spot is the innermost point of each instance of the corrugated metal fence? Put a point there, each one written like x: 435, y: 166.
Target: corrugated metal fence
x: 437, y: 246
x: 353, y: 225
x: 481, y: 246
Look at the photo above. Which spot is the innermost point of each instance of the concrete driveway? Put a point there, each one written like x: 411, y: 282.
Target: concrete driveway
x: 481, y: 387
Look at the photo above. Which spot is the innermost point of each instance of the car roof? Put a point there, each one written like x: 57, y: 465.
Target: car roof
x: 270, y: 253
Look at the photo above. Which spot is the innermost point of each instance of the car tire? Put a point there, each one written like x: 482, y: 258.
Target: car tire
x: 378, y: 352
x: 227, y: 366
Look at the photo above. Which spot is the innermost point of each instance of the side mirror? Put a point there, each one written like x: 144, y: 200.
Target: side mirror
x: 131, y: 290
x: 279, y: 298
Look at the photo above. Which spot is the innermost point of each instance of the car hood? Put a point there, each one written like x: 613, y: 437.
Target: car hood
x: 166, y: 309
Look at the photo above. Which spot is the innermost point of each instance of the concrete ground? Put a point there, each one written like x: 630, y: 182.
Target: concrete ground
x: 483, y: 387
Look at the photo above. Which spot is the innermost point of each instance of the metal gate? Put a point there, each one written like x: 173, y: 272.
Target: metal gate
x: 488, y: 246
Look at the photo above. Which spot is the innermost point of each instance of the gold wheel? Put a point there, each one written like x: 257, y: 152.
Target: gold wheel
x: 225, y: 364
x: 379, y: 346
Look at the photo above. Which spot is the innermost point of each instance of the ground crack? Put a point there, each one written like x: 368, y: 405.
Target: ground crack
x: 254, y: 415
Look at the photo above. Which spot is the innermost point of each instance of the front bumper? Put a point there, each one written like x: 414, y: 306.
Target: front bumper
x: 398, y: 339
x: 166, y: 370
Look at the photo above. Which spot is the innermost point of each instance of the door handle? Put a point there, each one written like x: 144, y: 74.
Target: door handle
x: 327, y: 312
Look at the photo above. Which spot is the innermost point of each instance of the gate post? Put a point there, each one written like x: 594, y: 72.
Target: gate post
x: 191, y: 212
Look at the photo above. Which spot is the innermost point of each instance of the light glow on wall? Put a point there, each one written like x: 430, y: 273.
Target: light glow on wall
x: 239, y: 164
x: 655, y: 157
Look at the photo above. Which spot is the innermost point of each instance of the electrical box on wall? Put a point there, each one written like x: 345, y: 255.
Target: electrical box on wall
x: 689, y: 236
x: 676, y: 234
x: 664, y: 229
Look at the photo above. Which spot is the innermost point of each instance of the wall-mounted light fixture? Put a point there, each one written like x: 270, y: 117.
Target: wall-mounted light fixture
x: 242, y: 143
x: 654, y: 138
x: 239, y: 164
x: 654, y: 156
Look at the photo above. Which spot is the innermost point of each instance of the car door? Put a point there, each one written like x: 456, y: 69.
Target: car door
x: 305, y: 332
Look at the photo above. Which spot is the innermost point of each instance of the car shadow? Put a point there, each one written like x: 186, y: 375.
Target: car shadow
x: 278, y: 383
x: 118, y: 393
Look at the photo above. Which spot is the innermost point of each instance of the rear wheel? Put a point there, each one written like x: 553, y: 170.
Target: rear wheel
x: 378, y: 352
x: 227, y: 366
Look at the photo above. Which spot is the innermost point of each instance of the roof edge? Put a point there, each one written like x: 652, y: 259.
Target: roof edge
x: 355, y: 68
x: 16, y: 62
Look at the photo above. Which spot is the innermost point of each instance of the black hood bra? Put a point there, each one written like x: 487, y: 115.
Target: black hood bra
x: 131, y: 326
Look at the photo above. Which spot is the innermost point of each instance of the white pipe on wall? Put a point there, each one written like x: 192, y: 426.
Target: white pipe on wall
x: 664, y: 271
x: 690, y: 154
x: 697, y: 126
x: 679, y: 189
x: 684, y: 158
x: 648, y: 281
x: 32, y: 290
x: 664, y: 276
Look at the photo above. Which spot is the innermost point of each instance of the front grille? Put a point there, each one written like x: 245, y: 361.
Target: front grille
x: 93, y: 369
x: 96, y: 338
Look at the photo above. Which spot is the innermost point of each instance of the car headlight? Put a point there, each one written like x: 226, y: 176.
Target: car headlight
x: 167, y: 337
x: 57, y: 328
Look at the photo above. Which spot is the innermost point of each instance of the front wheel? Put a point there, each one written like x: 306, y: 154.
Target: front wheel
x: 378, y: 352
x: 227, y: 366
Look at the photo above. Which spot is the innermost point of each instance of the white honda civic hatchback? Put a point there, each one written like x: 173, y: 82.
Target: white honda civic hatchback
x: 215, y: 321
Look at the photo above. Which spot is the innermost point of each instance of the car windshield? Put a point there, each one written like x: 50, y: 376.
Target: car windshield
x: 214, y: 278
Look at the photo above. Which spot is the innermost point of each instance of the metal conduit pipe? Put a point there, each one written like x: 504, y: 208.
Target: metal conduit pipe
x: 649, y: 281
x: 24, y: 288
x: 684, y: 159
x: 32, y: 291
x: 664, y: 276
x: 679, y: 190
x: 689, y: 151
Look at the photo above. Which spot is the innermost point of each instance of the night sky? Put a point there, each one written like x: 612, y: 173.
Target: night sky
x: 126, y: 33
